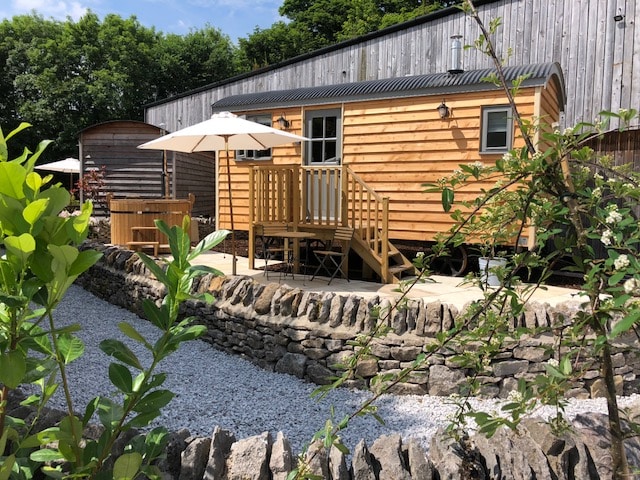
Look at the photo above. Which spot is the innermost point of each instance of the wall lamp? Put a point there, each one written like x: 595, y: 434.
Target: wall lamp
x: 443, y: 110
x: 283, y: 122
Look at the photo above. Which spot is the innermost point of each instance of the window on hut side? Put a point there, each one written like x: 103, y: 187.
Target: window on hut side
x: 256, y: 154
x: 496, y: 130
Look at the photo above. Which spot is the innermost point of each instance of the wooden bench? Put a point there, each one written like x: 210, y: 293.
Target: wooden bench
x: 137, y: 246
x: 139, y: 242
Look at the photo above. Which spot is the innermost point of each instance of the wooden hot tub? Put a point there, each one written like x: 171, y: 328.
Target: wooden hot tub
x: 132, y: 220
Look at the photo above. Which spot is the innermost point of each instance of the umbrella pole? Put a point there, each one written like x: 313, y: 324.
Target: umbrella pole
x: 233, y: 230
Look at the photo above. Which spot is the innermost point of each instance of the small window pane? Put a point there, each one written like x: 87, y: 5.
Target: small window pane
x: 497, y: 121
x: 317, y: 127
x: 316, y: 152
x: 256, y: 154
x: 332, y: 127
x: 330, y: 150
x: 496, y: 139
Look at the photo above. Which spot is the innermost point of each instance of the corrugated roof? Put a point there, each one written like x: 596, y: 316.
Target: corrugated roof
x: 430, y: 84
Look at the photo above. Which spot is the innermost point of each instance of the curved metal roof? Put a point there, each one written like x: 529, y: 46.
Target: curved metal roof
x: 430, y: 84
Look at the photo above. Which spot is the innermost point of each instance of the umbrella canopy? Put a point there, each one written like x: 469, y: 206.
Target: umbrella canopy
x: 223, y: 131
x: 68, y: 165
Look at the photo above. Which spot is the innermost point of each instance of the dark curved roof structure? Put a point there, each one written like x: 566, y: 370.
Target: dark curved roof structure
x: 399, y: 87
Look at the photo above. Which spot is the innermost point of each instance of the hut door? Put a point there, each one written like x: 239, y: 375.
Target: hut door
x: 324, y: 128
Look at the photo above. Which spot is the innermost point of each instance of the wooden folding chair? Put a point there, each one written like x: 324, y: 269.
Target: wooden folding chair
x: 332, y: 259
x: 272, y: 246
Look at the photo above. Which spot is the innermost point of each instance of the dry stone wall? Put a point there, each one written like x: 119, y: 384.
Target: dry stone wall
x: 534, y: 450
x: 307, y: 334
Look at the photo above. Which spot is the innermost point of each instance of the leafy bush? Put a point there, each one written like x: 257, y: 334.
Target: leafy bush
x: 41, y: 261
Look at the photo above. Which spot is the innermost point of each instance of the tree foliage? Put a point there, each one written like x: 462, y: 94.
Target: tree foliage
x: 315, y: 24
x: 65, y: 76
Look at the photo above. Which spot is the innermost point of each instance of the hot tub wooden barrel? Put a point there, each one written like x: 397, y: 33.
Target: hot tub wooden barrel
x: 132, y: 220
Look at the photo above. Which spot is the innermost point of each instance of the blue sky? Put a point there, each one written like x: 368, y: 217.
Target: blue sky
x: 236, y: 18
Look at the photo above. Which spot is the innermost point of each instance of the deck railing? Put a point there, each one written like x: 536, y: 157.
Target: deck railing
x: 367, y: 212
x: 316, y: 196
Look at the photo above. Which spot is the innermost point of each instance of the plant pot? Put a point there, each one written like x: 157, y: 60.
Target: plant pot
x: 487, y: 268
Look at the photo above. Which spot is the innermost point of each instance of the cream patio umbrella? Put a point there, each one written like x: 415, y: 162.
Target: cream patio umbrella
x: 68, y: 165
x: 223, y: 131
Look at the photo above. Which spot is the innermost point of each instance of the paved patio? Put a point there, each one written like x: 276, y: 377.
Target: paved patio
x: 449, y: 290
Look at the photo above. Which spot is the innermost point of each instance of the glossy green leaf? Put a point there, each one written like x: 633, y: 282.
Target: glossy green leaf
x: 71, y: 348
x: 85, y: 260
x: 132, y: 333
x: 34, y: 181
x: 58, y: 199
x: 21, y: 247
x: 626, y: 323
x: 120, y: 376
x: 119, y: 350
x: 126, y: 467
x: 46, y: 455
x: 12, y: 177
x: 6, y: 466
x: 109, y: 413
x: 447, y: 199
x: 208, y: 242
x: 153, y: 267
x: 13, y: 367
x: 143, y: 419
x: 154, y: 400
x: 34, y: 211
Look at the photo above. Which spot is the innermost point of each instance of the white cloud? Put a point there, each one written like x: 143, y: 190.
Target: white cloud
x: 60, y: 9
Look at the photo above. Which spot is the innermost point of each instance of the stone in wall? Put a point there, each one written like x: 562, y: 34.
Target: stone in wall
x: 249, y: 458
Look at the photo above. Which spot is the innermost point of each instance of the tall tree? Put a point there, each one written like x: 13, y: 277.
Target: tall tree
x: 318, y: 23
x: 191, y: 61
x: 65, y: 76
x: 272, y: 45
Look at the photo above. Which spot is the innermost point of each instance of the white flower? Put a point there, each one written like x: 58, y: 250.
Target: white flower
x: 597, y: 192
x: 478, y: 164
x: 613, y: 217
x: 598, y: 176
x: 553, y: 362
x: 568, y: 131
x: 632, y: 286
x: 507, y: 157
x: 606, y: 237
x: 515, y: 396
x: 419, y: 254
x: 621, y: 262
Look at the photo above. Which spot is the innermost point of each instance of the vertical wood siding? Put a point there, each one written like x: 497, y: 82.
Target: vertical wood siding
x: 598, y: 56
x: 132, y: 172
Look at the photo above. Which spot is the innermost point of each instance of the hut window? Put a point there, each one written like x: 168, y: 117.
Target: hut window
x: 256, y: 154
x: 496, y: 130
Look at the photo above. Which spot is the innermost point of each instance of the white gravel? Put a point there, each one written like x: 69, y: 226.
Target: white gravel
x: 214, y: 388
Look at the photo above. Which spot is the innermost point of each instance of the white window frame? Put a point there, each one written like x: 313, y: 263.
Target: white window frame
x: 484, y: 129
x: 256, y: 155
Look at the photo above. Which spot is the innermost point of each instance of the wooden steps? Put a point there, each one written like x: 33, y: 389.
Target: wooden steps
x: 397, y: 265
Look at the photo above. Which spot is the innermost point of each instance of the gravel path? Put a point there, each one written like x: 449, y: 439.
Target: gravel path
x: 213, y: 388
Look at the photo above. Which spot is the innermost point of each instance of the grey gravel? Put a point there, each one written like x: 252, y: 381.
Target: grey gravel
x: 214, y: 388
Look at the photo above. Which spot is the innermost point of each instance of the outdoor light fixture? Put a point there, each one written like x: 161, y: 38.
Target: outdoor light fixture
x: 443, y: 110
x: 283, y: 122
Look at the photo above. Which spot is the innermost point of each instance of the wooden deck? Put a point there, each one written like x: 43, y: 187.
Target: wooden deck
x: 318, y: 199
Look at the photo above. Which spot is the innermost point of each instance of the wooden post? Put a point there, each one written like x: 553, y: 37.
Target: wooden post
x: 252, y: 217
